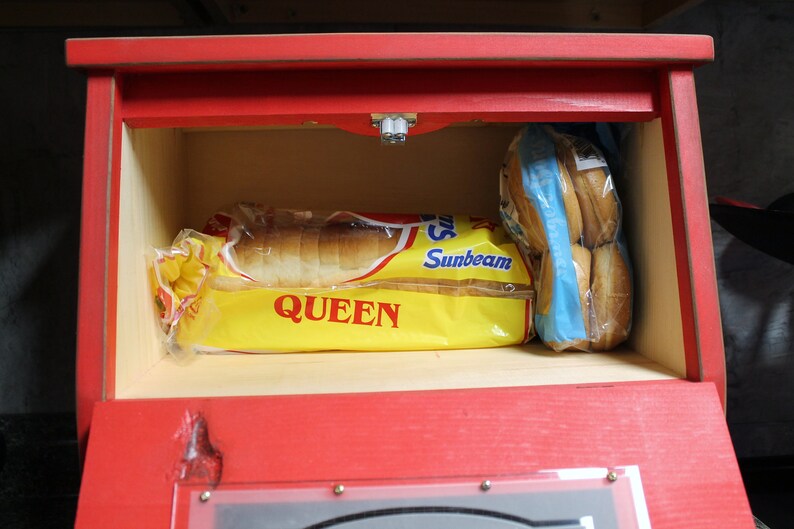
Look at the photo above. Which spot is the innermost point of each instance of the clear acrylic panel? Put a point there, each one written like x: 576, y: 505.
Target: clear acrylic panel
x: 592, y: 498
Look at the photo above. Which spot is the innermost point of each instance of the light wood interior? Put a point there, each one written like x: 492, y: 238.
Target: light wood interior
x: 153, y: 177
x: 649, y: 231
x: 175, y: 179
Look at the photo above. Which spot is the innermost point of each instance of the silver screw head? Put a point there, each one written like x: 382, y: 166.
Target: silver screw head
x: 205, y: 496
x: 339, y: 489
x: 612, y: 476
x: 486, y: 485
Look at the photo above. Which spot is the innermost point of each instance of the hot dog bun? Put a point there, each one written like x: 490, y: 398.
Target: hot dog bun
x: 611, y: 297
x: 597, y: 200
x: 593, y: 215
x: 582, y: 265
x: 527, y: 215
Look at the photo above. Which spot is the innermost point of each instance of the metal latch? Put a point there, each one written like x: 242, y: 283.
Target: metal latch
x: 393, y: 127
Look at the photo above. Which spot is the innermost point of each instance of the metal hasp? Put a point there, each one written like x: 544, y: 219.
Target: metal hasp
x: 393, y: 127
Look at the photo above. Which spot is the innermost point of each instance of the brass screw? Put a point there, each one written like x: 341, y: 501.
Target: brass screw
x: 339, y: 489
x: 612, y: 476
x: 486, y: 485
x: 205, y: 496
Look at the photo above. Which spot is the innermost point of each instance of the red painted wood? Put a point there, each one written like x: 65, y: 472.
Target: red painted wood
x: 695, y: 198
x: 680, y: 239
x: 113, y: 243
x: 92, y: 291
x: 446, y: 50
x: 348, y: 98
x: 692, y: 231
x: 674, y: 431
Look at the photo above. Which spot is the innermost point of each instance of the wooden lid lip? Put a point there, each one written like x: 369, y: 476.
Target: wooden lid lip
x: 371, y: 50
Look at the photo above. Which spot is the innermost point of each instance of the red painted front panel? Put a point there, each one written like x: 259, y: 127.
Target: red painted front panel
x: 347, y: 98
x: 674, y: 431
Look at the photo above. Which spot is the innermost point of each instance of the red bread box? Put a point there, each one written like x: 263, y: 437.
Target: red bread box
x: 176, y: 127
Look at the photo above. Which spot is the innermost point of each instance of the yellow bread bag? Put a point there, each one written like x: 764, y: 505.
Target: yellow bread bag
x: 260, y: 279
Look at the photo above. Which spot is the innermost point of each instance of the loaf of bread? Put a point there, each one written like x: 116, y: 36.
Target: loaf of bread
x: 277, y: 248
x: 310, y: 255
x: 261, y: 279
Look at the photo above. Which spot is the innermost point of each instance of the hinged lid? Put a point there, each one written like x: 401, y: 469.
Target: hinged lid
x: 397, y: 50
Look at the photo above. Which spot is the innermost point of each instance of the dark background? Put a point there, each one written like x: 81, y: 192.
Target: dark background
x: 747, y: 121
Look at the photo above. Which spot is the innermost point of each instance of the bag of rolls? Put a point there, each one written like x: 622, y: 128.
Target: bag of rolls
x: 260, y: 279
x: 559, y: 203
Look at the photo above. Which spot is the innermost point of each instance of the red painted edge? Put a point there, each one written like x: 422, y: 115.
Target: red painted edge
x: 700, y: 310
x: 367, y: 49
x: 113, y: 243
x: 93, y: 242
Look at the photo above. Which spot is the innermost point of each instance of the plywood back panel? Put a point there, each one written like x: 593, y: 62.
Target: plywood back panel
x: 454, y: 170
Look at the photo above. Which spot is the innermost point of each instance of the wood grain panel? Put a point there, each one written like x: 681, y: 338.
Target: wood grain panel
x: 151, y: 210
x: 657, y: 321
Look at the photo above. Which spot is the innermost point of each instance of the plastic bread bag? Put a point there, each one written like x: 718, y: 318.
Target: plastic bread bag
x: 559, y: 203
x: 260, y: 279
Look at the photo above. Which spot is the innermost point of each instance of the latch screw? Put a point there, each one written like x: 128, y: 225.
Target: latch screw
x: 339, y: 489
x: 486, y: 485
x: 393, y: 127
x: 205, y: 496
x: 612, y: 476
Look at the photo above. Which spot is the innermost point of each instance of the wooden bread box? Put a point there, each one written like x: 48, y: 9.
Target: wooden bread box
x: 179, y: 126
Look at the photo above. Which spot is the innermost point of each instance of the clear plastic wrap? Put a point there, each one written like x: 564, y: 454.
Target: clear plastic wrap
x: 559, y: 203
x: 260, y: 279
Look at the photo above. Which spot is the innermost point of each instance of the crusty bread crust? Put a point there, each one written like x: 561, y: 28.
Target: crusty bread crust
x: 597, y: 201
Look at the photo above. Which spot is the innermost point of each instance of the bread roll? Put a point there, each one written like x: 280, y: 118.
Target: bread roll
x: 582, y: 265
x: 611, y: 297
x: 596, y: 197
x: 527, y: 215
